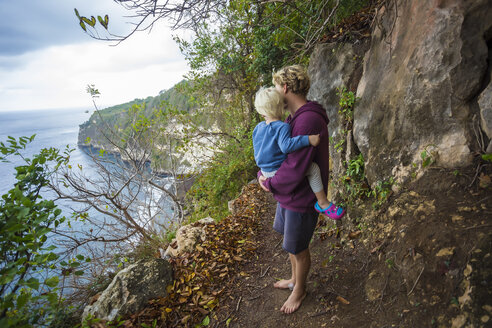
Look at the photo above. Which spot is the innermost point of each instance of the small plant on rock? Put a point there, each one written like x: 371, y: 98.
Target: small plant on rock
x: 347, y: 102
x: 353, y: 181
x: 427, y: 156
x: 381, y: 191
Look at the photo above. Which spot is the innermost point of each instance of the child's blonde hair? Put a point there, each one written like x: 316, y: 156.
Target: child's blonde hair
x: 295, y: 77
x: 269, y: 102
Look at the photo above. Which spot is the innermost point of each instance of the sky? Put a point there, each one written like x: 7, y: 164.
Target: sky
x: 47, y: 61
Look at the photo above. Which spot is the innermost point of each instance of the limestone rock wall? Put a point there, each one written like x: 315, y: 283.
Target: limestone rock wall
x: 331, y: 67
x: 424, y: 85
x: 421, y: 78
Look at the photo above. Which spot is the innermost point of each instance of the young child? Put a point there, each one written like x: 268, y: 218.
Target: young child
x: 272, y: 142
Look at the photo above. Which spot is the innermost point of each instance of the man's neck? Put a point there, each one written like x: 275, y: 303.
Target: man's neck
x: 295, y: 103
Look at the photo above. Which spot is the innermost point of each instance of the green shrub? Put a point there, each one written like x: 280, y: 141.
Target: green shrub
x: 354, y: 184
x: 346, y: 102
x: 230, y: 169
x: 29, y: 269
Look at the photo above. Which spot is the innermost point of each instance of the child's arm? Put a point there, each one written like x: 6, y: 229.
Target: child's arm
x: 289, y: 144
x: 292, y: 172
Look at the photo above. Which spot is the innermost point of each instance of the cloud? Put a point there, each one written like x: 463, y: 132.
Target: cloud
x: 46, y: 61
x: 29, y: 25
x: 57, y: 76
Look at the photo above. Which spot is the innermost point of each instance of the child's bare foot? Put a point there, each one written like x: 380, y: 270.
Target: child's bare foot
x: 324, y: 203
x: 285, y: 284
x: 293, y: 302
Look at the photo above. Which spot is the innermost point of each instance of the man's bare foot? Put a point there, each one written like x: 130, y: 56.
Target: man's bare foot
x: 293, y: 303
x: 285, y: 284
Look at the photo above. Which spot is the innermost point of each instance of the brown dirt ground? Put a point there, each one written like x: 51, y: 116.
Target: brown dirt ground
x: 412, y: 264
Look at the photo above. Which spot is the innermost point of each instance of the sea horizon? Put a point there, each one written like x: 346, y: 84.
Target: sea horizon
x: 53, y: 128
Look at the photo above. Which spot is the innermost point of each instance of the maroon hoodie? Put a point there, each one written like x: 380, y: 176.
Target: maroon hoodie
x: 289, y: 186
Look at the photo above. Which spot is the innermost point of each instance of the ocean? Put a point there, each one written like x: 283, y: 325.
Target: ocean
x: 53, y: 128
x: 56, y: 128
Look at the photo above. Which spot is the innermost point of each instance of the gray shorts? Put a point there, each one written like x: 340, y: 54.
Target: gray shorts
x: 297, y: 228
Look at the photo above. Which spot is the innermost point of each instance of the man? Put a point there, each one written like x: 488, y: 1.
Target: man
x: 296, y: 216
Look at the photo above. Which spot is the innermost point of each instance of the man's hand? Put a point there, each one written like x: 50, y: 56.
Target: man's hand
x: 262, y: 180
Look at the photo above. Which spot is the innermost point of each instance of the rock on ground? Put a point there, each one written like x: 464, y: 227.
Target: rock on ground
x: 131, y: 289
x: 187, y: 237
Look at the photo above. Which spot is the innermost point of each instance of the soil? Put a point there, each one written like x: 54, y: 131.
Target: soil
x: 423, y: 260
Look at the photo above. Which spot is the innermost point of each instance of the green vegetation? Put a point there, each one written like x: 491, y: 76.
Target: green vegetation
x: 427, y: 156
x: 347, y: 102
x: 30, y: 269
x: 229, y: 60
x: 390, y: 263
x: 354, y: 185
x: 380, y: 192
x: 353, y: 182
x: 228, y: 65
x: 227, y: 173
x: 487, y: 157
x: 120, y: 117
x: 231, y: 55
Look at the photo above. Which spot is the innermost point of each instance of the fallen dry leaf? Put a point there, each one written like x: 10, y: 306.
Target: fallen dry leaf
x: 342, y: 300
x: 354, y: 234
x: 484, y: 181
x: 203, y: 276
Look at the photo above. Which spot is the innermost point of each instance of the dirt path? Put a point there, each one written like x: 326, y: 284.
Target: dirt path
x: 413, y: 267
x: 256, y: 303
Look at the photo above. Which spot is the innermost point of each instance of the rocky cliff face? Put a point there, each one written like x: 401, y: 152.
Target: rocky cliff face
x: 332, y: 66
x: 423, y: 86
x: 423, y: 83
x: 95, y: 133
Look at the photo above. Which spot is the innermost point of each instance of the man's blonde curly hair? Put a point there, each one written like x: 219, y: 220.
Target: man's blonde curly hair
x: 295, y: 77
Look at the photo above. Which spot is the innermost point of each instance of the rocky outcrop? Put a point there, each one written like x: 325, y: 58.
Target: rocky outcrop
x: 187, y: 237
x: 422, y: 76
x: 334, y: 66
x: 131, y: 289
x: 426, y: 85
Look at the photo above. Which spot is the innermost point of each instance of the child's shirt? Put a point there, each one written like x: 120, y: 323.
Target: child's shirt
x: 272, y: 142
